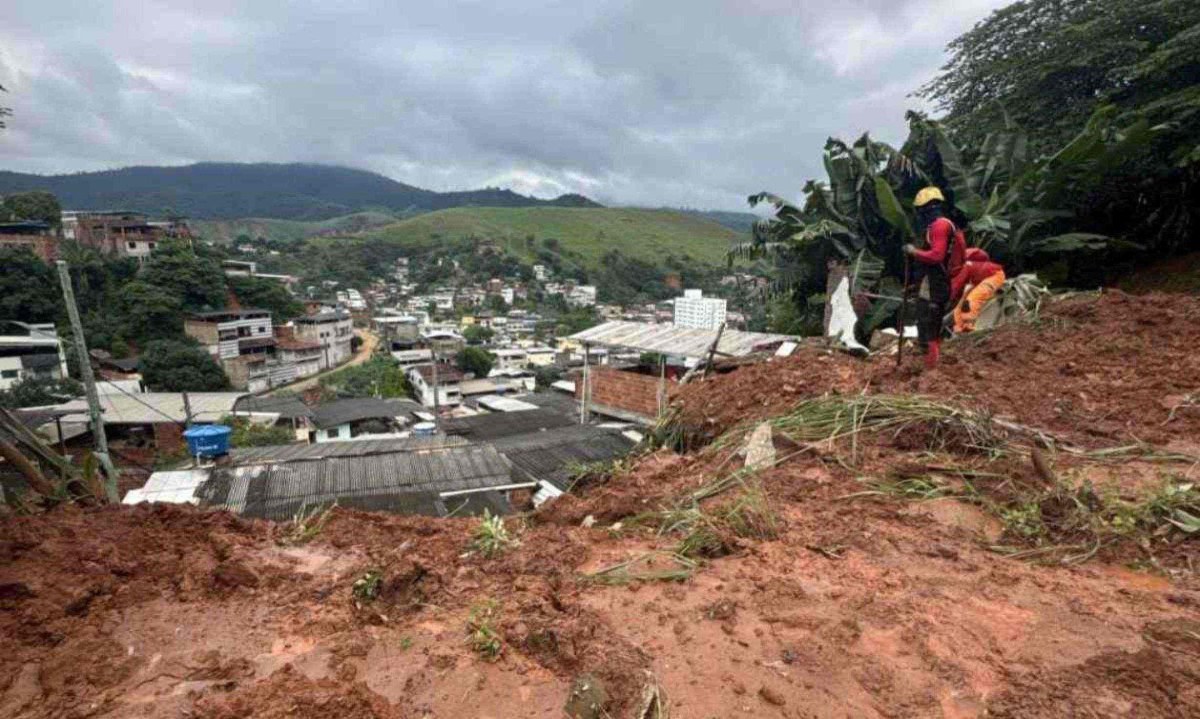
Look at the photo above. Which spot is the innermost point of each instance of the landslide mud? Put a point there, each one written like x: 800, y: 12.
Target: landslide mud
x: 859, y: 607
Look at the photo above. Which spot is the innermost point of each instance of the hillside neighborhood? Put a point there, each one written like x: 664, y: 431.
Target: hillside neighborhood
x: 724, y: 360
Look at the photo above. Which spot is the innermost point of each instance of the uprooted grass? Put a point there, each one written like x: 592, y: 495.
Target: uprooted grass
x: 1064, y: 521
x: 713, y: 533
x: 482, y: 634
x: 678, y: 568
x: 306, y: 525
x: 491, y: 537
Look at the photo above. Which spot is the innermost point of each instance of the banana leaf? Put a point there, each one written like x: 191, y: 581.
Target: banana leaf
x: 891, y: 209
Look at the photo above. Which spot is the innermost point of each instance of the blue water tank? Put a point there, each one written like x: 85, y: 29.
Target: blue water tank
x: 208, y: 440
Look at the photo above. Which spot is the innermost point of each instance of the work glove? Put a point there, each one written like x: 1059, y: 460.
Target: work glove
x: 910, y: 250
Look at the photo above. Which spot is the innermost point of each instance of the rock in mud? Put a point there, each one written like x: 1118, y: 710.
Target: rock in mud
x: 235, y: 574
x: 760, y: 452
x: 587, y: 699
x: 771, y: 696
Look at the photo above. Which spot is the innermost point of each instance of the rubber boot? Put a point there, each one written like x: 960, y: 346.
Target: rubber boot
x: 933, y: 354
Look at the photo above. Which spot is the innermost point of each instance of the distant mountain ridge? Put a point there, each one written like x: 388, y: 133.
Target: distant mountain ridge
x: 228, y: 190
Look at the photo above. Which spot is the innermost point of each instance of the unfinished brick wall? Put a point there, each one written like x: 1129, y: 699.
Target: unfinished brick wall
x: 629, y: 391
x: 168, y: 438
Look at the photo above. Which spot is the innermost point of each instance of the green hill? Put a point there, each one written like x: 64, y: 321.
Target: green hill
x: 647, y: 235
x: 289, y: 231
x: 225, y: 190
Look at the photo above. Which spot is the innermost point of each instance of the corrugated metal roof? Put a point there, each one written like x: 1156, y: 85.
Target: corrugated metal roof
x: 672, y: 340
x: 357, y: 448
x: 505, y: 424
x: 156, y: 407
x: 341, y: 411
x: 554, y: 455
x: 385, y: 482
x: 286, y: 407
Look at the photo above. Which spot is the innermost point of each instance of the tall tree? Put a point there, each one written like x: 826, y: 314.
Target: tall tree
x: 149, y: 312
x: 37, y: 206
x: 1048, y: 65
x: 196, y: 280
x: 1056, y: 66
x: 476, y: 360
x: 181, y: 366
x: 28, y: 287
x: 266, y: 294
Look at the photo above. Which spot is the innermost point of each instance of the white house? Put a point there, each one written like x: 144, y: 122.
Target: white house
x: 449, y: 384
x: 34, y: 353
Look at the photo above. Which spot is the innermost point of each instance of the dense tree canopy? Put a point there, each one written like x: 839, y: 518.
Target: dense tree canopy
x: 37, y: 392
x: 1048, y: 64
x: 478, y: 334
x: 149, y: 312
x: 379, y: 376
x: 1111, y: 68
x: 181, y: 366
x: 476, y: 360
x: 266, y: 294
x: 197, y: 280
x: 37, y: 206
x: 29, y: 289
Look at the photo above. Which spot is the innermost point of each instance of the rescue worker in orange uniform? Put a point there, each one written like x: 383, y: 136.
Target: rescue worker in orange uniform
x: 984, y: 278
x: 937, y: 264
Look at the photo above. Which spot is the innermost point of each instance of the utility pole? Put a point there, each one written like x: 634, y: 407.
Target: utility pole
x: 187, y: 420
x: 89, y: 384
x: 436, y: 401
x: 586, y: 394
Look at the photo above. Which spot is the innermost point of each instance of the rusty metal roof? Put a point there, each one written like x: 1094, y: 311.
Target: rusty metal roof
x: 403, y: 482
x: 672, y: 340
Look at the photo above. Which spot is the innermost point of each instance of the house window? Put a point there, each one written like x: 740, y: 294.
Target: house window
x: 9, y: 373
x: 132, y: 245
x: 153, y: 244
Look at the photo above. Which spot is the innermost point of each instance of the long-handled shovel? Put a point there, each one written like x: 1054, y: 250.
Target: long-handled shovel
x: 902, y: 317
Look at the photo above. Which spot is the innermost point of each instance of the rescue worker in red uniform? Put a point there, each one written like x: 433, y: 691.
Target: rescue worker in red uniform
x: 936, y: 265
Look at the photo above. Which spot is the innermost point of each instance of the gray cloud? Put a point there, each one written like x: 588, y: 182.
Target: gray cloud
x: 693, y: 102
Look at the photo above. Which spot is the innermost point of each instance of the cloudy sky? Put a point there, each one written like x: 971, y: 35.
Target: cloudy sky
x: 658, y: 102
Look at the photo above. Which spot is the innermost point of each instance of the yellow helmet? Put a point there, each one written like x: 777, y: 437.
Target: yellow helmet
x: 927, y: 195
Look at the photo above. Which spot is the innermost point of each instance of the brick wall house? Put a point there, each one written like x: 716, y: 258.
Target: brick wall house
x: 622, y: 391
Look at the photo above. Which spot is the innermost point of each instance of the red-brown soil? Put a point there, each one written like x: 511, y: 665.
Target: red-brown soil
x: 1098, y: 371
x: 860, y: 607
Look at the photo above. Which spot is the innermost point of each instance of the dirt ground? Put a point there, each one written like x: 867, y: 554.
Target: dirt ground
x: 860, y: 606
x: 1099, y: 371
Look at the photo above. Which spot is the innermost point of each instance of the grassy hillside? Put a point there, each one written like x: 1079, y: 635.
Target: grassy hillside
x: 648, y: 235
x: 289, y: 231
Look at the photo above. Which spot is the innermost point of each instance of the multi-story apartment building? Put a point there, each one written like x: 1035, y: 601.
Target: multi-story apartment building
x: 699, y: 312
x: 37, y: 237
x: 332, y: 329
x: 231, y: 333
x: 131, y: 234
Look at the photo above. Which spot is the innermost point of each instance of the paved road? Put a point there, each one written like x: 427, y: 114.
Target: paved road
x: 369, y: 340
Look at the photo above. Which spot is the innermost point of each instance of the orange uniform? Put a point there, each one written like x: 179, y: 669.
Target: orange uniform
x: 985, y: 280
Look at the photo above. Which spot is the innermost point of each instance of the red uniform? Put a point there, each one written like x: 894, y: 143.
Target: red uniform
x: 947, y: 248
x: 942, y: 260
x: 973, y: 256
